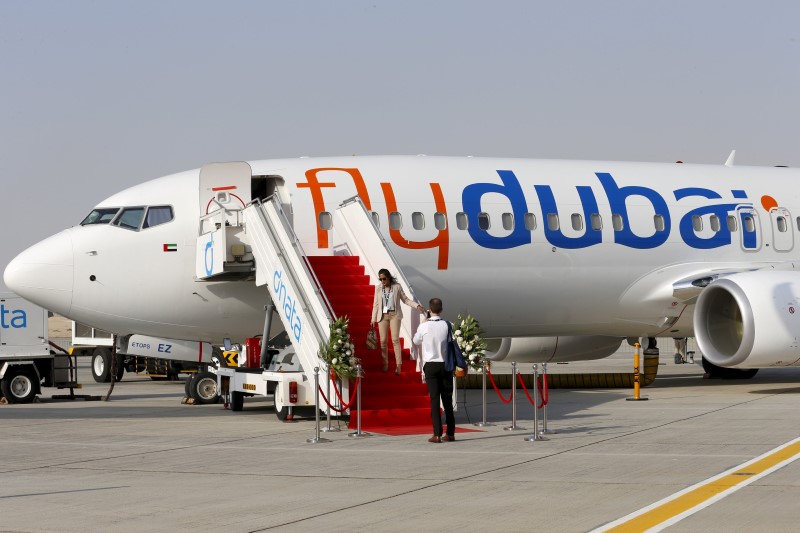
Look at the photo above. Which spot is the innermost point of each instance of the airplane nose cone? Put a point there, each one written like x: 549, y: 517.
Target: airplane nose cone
x: 43, y: 273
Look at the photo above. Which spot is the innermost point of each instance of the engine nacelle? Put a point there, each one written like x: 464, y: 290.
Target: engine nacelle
x: 750, y: 320
x: 552, y: 349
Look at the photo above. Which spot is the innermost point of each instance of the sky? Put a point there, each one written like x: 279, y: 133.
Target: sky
x: 97, y: 96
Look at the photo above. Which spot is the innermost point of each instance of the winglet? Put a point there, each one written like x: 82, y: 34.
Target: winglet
x: 729, y: 162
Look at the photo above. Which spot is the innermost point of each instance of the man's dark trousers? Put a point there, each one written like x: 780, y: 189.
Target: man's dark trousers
x: 440, y: 387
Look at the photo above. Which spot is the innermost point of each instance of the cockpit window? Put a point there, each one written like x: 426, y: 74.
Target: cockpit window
x: 157, y: 215
x: 130, y: 218
x: 100, y: 216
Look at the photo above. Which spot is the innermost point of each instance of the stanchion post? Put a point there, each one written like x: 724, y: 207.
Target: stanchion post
x: 513, y: 426
x: 544, y: 430
x: 317, y: 439
x: 483, y: 422
x: 536, y: 435
x: 328, y: 394
x: 636, y: 386
x: 358, y: 432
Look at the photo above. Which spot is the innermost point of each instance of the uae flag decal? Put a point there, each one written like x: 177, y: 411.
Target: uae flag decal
x: 170, y: 247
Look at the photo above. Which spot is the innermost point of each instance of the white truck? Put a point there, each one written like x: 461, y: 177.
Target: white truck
x: 27, y: 362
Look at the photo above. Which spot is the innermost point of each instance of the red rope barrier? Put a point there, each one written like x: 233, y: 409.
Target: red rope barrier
x: 545, y: 391
x: 339, y: 396
x: 496, y: 389
x: 522, y: 382
x: 343, y: 409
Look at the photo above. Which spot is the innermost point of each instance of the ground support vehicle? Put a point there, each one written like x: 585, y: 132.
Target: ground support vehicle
x: 28, y: 362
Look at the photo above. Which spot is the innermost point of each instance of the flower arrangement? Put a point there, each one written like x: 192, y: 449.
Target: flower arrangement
x: 467, y: 332
x: 339, y: 353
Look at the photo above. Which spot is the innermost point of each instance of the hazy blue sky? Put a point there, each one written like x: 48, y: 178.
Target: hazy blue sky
x: 96, y: 96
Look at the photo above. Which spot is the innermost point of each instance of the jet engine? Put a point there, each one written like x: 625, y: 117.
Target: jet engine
x: 750, y: 320
x: 552, y: 349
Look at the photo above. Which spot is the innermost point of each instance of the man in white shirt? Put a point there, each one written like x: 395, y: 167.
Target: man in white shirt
x: 432, y: 336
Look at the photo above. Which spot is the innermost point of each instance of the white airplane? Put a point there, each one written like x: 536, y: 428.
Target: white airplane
x: 558, y: 260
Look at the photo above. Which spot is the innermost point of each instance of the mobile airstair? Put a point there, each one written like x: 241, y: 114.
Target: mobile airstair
x: 307, y: 293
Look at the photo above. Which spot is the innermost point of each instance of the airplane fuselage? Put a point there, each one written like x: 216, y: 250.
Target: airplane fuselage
x: 529, y: 247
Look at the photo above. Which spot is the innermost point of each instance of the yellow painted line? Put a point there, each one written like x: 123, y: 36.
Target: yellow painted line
x: 678, y: 506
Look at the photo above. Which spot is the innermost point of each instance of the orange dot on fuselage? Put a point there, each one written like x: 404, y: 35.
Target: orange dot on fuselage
x: 768, y: 203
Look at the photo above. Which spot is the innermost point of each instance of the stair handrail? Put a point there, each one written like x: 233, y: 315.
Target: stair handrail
x: 410, y: 325
x: 321, y: 332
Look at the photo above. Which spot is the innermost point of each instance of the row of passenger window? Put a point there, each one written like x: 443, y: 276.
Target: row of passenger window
x: 554, y: 221
x: 132, y: 218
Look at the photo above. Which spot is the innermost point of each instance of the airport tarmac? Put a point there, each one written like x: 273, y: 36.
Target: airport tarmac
x: 144, y: 462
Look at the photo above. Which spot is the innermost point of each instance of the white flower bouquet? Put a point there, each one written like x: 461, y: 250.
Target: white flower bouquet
x: 340, y: 352
x: 467, y: 333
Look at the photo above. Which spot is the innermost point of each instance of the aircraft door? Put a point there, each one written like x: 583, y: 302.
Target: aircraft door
x: 751, y: 231
x: 224, y: 185
x: 782, y: 234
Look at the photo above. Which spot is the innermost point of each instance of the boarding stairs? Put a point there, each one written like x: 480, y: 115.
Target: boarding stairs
x: 298, y: 285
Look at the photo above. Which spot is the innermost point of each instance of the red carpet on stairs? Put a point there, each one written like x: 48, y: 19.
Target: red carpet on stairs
x: 391, y: 404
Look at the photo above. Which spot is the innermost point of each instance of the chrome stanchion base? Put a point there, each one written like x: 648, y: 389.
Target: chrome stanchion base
x: 317, y: 440
x: 547, y: 432
x: 482, y: 424
x: 331, y: 429
x: 531, y: 438
x: 359, y: 435
x: 514, y: 428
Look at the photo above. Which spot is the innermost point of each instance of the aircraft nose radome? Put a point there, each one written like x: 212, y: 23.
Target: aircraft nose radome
x: 43, y: 273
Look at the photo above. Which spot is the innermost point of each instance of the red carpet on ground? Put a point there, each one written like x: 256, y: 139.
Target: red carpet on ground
x: 390, y: 404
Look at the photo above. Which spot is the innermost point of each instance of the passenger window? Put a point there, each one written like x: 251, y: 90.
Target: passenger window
x: 530, y: 221
x: 658, y: 221
x: 798, y: 223
x: 376, y: 219
x: 749, y: 223
x: 732, y: 226
x: 462, y: 222
x: 577, y: 221
x: 325, y: 220
x: 781, y: 222
x: 715, y: 227
x: 106, y: 215
x: 616, y: 222
x: 483, y: 221
x: 157, y: 215
x: 439, y: 221
x: 697, y: 223
x: 130, y: 218
x: 395, y: 220
x: 552, y: 221
x: 417, y: 220
x: 508, y: 221
x: 597, y: 222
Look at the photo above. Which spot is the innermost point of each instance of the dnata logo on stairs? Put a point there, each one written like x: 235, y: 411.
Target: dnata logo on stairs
x: 12, y: 318
x: 288, y: 304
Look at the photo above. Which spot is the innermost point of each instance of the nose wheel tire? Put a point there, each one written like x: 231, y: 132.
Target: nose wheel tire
x: 101, y: 364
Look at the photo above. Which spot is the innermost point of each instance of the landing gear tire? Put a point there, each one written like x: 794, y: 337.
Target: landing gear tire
x: 203, y: 388
x: 19, y: 385
x: 237, y: 401
x: 715, y: 371
x: 101, y: 364
x: 120, y: 368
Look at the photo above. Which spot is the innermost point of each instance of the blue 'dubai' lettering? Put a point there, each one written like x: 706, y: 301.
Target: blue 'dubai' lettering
x: 617, y: 196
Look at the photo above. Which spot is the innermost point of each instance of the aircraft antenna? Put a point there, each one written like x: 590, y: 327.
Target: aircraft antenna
x: 729, y: 162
